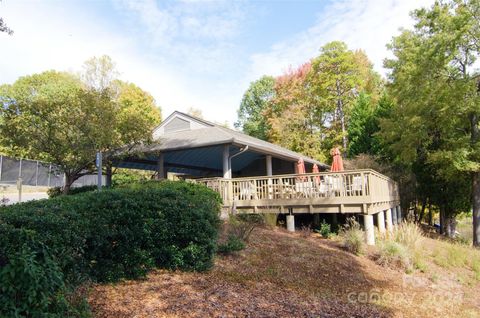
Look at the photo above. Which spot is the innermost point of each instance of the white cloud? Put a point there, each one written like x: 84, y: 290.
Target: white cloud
x: 48, y: 36
x: 362, y: 24
x: 187, y: 53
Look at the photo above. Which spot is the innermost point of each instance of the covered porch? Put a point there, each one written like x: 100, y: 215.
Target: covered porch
x: 255, y: 176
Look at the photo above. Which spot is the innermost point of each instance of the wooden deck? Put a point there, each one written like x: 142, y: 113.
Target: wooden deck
x: 359, y: 191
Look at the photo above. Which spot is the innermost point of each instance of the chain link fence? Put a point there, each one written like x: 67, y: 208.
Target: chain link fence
x: 37, y: 173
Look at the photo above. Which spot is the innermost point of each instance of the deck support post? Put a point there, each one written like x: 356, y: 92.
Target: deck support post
x: 394, y: 216
x: 381, y: 222
x: 389, y: 220
x: 160, y: 167
x: 399, y: 214
x: 290, y: 223
x: 369, y: 229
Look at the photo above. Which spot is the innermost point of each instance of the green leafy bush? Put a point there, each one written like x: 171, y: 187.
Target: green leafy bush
x: 56, y: 191
x: 111, y: 234
x: 325, y: 229
x: 233, y: 244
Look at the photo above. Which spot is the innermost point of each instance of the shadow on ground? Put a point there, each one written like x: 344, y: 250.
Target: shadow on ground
x: 278, y: 275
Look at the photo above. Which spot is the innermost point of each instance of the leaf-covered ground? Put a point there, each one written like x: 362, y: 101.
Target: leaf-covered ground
x: 286, y: 275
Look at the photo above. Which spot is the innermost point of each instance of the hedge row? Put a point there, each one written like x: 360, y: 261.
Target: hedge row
x: 48, y: 246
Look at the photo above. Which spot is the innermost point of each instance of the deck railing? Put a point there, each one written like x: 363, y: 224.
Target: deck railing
x: 358, y: 186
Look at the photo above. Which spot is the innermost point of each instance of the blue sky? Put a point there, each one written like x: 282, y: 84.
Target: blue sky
x: 193, y: 53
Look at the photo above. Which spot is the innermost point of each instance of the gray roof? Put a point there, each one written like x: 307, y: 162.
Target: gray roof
x: 216, y: 135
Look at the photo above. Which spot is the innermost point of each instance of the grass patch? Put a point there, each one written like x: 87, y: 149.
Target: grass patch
x: 353, y: 238
x: 401, y: 249
x: 453, y: 255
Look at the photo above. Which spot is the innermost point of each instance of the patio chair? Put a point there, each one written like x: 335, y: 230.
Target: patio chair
x: 247, y: 190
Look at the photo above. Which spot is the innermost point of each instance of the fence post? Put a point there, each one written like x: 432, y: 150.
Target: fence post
x: 1, y: 164
x: 20, y: 169
x: 36, y: 175
x: 49, y: 174
x: 19, y: 187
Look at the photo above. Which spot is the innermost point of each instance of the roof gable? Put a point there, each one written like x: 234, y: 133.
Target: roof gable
x: 178, y: 121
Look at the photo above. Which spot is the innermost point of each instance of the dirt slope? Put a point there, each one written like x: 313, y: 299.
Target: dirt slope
x: 286, y: 275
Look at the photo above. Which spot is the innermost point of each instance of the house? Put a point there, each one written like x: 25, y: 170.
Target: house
x: 255, y: 176
x: 190, y: 146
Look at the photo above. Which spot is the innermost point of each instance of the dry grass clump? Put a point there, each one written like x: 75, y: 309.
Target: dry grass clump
x: 353, y: 237
x: 393, y: 254
x: 401, y: 249
x: 409, y: 235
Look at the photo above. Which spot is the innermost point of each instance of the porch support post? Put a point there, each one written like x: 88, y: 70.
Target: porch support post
x: 268, y: 162
x: 394, y: 216
x: 227, y: 170
x: 160, y: 167
x: 369, y: 229
x: 290, y: 223
x: 389, y: 220
x: 399, y: 214
x: 381, y: 222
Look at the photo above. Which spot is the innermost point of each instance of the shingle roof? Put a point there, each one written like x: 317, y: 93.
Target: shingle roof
x: 215, y: 135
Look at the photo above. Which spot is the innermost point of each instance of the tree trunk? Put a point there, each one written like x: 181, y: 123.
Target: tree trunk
x: 422, y: 212
x: 69, y: 180
x: 474, y: 138
x: 442, y: 220
x: 450, y: 224
x: 430, y: 214
x: 476, y: 208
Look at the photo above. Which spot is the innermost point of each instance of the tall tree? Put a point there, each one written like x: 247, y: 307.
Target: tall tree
x: 56, y: 117
x: 251, y: 118
x: 336, y: 81
x: 51, y: 117
x: 437, y: 88
x: 136, y: 113
x: 364, y: 126
x: 99, y: 73
x: 295, y: 123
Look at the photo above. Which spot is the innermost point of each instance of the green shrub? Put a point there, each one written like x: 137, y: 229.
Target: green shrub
x: 233, y: 244
x: 111, y: 234
x: 31, y: 281
x: 125, y: 177
x: 56, y: 191
x: 325, y: 229
x: 353, y: 237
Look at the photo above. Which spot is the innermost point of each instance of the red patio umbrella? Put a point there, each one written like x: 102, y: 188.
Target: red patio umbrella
x: 301, y: 169
x: 300, y: 166
x: 315, y: 170
x: 337, y: 163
